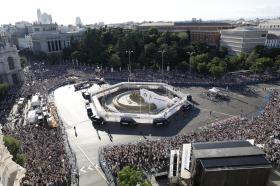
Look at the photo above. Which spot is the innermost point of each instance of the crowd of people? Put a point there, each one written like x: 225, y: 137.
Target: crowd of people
x: 46, y: 158
x: 153, y: 155
x: 47, y: 161
x: 179, y: 78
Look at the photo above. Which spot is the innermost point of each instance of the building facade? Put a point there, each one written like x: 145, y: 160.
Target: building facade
x: 25, y: 42
x: 242, y: 39
x: 10, y: 68
x: 272, y: 41
x: 53, y: 41
x: 273, y: 28
x: 206, y: 32
x: 270, y: 25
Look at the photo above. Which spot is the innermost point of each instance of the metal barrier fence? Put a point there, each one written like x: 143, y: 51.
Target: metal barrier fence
x: 112, y: 181
x: 72, y: 157
x: 74, y: 171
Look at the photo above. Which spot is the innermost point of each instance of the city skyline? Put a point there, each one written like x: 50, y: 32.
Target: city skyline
x: 109, y: 11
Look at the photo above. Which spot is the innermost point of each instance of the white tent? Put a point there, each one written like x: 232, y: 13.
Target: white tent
x: 31, y: 116
x: 35, y: 101
x: 214, y: 90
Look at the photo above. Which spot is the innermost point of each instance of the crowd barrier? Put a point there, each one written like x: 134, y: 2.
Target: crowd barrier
x: 112, y: 181
x: 74, y: 171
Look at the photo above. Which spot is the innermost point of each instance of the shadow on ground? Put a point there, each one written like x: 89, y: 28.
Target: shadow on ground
x: 176, y: 124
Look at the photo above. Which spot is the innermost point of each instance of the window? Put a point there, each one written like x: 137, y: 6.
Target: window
x: 15, y: 79
x: 11, y: 63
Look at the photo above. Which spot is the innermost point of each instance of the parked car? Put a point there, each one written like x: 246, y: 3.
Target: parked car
x: 160, y: 121
x: 127, y: 121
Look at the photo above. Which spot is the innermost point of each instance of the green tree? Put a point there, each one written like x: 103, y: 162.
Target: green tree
x: 253, y: 56
x: 130, y: 176
x: 23, y: 62
x: 20, y: 159
x: 261, y: 64
x: 201, y: 58
x: 54, y: 58
x: 216, y: 67
x: 3, y: 90
x: 76, y: 55
x: 183, y: 66
x: 276, y: 65
x: 115, y: 60
x: 13, y: 146
x: 202, y: 67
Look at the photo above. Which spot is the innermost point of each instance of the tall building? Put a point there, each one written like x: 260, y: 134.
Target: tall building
x: 273, y: 28
x: 208, y: 32
x: 43, y: 18
x: 10, y: 68
x: 242, y: 39
x: 78, y: 22
x: 53, y: 41
x: 48, y: 38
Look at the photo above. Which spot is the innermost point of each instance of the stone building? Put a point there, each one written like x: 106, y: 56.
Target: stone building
x: 242, y: 39
x: 10, y: 67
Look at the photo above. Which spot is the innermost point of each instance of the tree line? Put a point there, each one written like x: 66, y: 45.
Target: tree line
x: 107, y: 47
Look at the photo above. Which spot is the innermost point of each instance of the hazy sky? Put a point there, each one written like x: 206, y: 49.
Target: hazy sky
x: 113, y: 11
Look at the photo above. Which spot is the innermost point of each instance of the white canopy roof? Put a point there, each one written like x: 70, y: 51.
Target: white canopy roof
x: 31, y: 116
x: 214, y: 90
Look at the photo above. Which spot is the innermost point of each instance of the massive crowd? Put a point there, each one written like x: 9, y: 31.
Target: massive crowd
x: 44, y: 148
x: 47, y: 161
x: 179, y: 78
x: 153, y: 155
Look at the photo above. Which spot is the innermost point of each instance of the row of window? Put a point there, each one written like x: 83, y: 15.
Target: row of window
x: 270, y: 26
x: 54, y: 45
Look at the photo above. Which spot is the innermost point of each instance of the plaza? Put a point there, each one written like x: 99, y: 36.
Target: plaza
x: 91, y: 137
x: 159, y: 100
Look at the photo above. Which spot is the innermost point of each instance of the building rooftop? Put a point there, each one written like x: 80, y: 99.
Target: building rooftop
x: 225, y: 149
x: 155, y: 24
x: 227, y: 154
x: 202, y: 24
x: 234, y: 161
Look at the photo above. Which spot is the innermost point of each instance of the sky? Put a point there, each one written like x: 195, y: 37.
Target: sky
x: 116, y: 11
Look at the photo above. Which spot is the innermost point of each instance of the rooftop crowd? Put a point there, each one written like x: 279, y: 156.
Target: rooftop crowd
x: 153, y: 155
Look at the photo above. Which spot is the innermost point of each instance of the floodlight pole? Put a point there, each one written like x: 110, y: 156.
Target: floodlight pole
x: 162, y: 52
x: 129, y: 65
x: 140, y: 101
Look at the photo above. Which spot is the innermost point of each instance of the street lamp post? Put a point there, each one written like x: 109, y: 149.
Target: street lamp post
x: 225, y: 71
x: 129, y: 65
x: 162, y: 52
x: 190, y: 55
